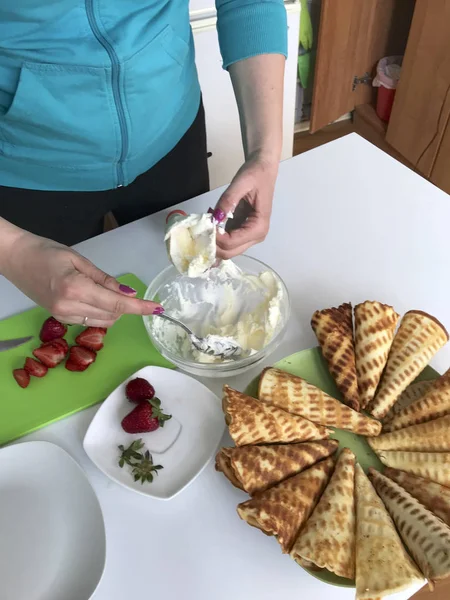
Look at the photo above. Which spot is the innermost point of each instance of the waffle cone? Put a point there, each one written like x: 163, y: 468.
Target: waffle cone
x: 328, y: 538
x: 431, y: 465
x: 334, y: 330
x: 295, y: 395
x: 383, y: 566
x: 252, y: 422
x: 375, y: 325
x: 258, y: 468
x: 413, y: 392
x: 432, y: 436
x: 435, y: 403
x: 418, y: 339
x: 284, y: 509
x: 223, y: 464
x: 423, y: 533
x: 432, y: 495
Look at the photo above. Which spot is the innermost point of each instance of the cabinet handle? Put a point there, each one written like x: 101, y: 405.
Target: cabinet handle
x: 208, y: 154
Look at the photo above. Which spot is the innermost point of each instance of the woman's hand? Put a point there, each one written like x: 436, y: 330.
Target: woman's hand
x: 254, y: 182
x: 68, y: 285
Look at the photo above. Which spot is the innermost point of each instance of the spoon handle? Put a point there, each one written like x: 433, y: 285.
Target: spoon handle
x: 175, y: 322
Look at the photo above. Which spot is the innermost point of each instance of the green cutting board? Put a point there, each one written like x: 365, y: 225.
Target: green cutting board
x: 61, y: 392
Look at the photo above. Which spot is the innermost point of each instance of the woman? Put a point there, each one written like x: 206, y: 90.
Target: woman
x: 100, y: 110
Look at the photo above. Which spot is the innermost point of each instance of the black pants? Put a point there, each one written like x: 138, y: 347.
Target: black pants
x: 71, y: 217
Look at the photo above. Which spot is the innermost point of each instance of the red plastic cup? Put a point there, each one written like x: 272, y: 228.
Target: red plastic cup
x: 385, y: 100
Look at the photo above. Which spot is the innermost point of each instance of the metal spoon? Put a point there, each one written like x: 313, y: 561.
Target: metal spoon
x: 211, y: 345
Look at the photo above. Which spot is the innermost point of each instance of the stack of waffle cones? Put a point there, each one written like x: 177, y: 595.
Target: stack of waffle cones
x: 322, y: 508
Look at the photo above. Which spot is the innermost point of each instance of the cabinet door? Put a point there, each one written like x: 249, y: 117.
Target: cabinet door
x: 222, y: 117
x: 422, y: 102
x: 440, y: 174
x: 353, y: 36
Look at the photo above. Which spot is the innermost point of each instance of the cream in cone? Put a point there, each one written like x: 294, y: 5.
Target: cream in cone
x: 328, y: 538
x: 423, y: 533
x: 375, y: 325
x: 295, y: 395
x: 433, y: 496
x: 432, y: 436
x: 418, y: 339
x: 334, y: 330
x: 257, y: 468
x: 283, y: 509
x: 383, y: 566
x: 431, y: 465
x: 413, y: 392
x: 252, y: 422
x: 435, y: 403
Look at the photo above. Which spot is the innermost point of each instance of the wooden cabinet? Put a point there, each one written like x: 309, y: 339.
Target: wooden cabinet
x: 421, y: 110
x: 353, y: 36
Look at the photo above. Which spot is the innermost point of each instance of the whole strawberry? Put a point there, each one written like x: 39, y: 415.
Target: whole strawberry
x: 139, y: 389
x: 52, y: 329
x: 140, y: 419
x: 145, y: 417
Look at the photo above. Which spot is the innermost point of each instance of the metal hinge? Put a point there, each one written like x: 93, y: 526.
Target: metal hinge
x: 366, y: 78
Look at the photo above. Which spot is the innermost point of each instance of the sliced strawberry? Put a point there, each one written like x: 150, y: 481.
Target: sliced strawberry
x: 35, y: 368
x: 22, y: 377
x: 92, y: 338
x: 60, y: 342
x: 52, y: 329
x: 80, y: 358
x: 50, y: 354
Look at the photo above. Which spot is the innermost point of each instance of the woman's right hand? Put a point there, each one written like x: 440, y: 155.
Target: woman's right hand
x: 68, y: 285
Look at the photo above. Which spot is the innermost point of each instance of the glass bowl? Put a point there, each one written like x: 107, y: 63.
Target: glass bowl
x: 221, y: 369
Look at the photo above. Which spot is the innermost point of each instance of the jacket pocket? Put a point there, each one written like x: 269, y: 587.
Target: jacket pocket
x: 61, y: 115
x: 150, y: 79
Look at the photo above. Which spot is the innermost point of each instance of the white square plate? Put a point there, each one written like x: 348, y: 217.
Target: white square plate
x: 185, y: 444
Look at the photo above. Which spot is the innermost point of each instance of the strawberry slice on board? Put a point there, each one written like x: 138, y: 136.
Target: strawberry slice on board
x: 35, y: 368
x: 50, y: 354
x: 92, y: 338
x: 60, y: 342
x: 80, y: 358
x: 22, y: 377
x: 52, y: 329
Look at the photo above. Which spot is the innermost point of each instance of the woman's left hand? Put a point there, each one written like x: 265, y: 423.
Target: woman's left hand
x: 255, y: 183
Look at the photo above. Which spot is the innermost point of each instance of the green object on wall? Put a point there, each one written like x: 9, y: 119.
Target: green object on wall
x: 306, y: 30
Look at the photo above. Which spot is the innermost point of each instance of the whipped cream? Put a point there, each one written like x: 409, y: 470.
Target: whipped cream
x: 224, y: 303
x: 192, y: 244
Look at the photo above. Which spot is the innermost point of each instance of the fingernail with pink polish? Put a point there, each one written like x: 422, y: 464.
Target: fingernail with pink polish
x: 219, y: 215
x: 158, y: 310
x: 126, y: 289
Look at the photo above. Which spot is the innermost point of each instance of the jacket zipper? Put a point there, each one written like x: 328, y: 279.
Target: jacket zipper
x: 115, y: 79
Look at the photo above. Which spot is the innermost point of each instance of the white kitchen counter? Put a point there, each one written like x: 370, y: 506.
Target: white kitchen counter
x: 349, y: 224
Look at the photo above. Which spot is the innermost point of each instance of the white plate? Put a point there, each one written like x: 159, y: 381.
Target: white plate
x: 52, y: 535
x: 185, y: 444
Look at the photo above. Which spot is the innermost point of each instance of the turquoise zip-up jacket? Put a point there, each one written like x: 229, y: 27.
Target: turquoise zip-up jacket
x: 95, y: 92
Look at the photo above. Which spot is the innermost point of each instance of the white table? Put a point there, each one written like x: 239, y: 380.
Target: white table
x: 349, y: 223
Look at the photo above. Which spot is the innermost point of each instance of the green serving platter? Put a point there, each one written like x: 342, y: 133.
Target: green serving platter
x: 310, y: 365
